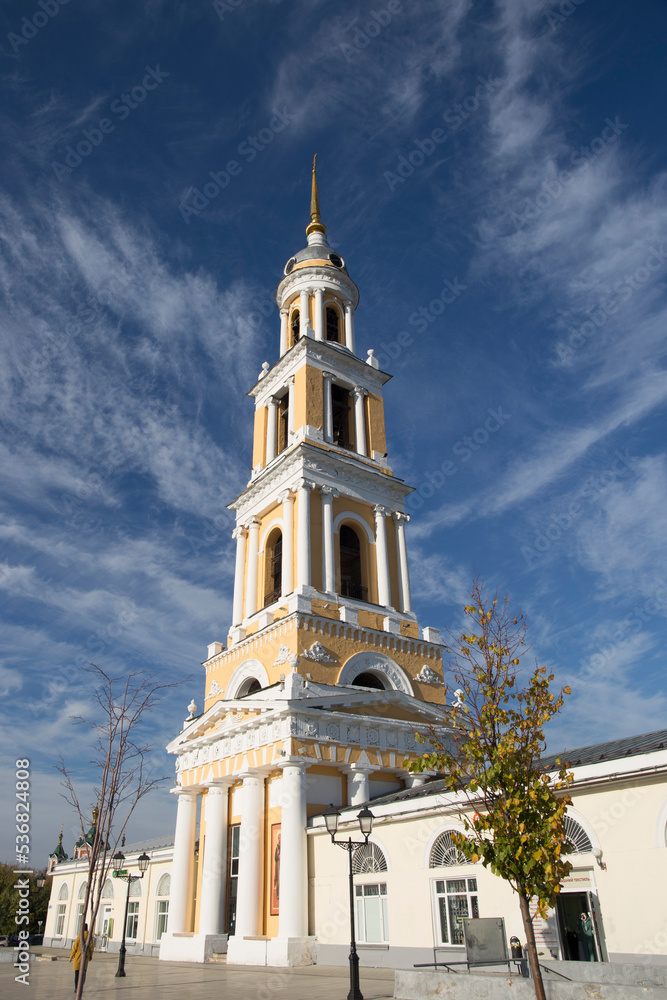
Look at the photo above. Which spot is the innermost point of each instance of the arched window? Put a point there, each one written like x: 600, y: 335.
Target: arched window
x: 135, y: 888
x: 296, y: 326
x: 340, y: 405
x: 249, y: 687
x: 445, y: 852
x: 368, y: 859
x: 82, y: 890
x: 274, y: 568
x: 333, y: 324
x: 577, y: 837
x: 164, y: 885
x: 64, y: 891
x: 369, y: 680
x: 107, y: 890
x: 283, y: 423
x: 350, y: 564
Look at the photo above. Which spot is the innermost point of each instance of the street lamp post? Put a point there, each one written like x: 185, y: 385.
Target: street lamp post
x: 118, y: 860
x: 365, y: 817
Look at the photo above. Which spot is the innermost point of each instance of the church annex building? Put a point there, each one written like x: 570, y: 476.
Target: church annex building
x: 315, y: 698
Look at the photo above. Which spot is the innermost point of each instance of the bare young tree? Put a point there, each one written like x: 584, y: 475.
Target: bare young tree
x: 124, y: 776
x: 492, y: 758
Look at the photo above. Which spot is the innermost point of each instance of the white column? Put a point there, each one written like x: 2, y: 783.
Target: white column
x: 349, y: 327
x: 271, y: 428
x: 400, y: 520
x: 239, y: 534
x: 251, y: 575
x: 284, y: 313
x: 358, y: 787
x: 248, y: 907
x: 303, y: 533
x: 328, y: 563
x: 382, y: 556
x: 318, y: 324
x: 360, y: 420
x: 214, y: 867
x: 328, y: 407
x: 290, y: 408
x: 287, y: 572
x: 183, y: 864
x: 303, y: 313
x: 293, y: 921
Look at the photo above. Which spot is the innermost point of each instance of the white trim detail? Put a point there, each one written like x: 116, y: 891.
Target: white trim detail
x: 586, y: 827
x: 277, y: 522
x: 349, y: 515
x: 661, y: 826
x: 250, y: 669
x: 378, y: 663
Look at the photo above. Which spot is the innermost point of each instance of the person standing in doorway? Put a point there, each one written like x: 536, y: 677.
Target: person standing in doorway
x: 76, y: 955
x: 586, y: 936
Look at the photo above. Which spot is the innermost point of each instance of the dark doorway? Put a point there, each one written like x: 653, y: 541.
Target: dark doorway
x: 340, y: 401
x: 274, y: 569
x: 576, y: 924
x: 368, y: 680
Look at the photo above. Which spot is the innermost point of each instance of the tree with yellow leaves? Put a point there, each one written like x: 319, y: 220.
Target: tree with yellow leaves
x: 492, y: 756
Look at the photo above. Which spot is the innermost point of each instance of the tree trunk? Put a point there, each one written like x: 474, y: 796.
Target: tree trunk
x: 530, y: 945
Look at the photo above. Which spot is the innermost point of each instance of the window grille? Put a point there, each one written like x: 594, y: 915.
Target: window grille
x: 107, y: 890
x: 445, y: 852
x: 576, y: 836
x: 368, y: 859
x: 164, y: 885
x: 64, y: 891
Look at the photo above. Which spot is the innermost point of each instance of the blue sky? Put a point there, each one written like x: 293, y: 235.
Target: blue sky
x: 494, y: 175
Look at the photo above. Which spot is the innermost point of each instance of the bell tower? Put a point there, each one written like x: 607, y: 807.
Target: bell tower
x: 325, y: 676
x: 321, y: 524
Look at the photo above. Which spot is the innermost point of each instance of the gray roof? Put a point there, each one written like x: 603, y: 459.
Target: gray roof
x: 166, y: 840
x: 317, y: 251
x: 596, y: 752
x: 613, y: 750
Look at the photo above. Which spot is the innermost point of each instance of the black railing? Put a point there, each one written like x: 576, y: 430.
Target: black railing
x: 354, y: 590
x: 272, y: 597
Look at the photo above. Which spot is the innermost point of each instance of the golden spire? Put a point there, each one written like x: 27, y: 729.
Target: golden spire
x: 60, y: 838
x: 315, y: 226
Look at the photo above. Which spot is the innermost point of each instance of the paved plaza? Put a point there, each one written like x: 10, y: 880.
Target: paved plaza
x: 51, y: 978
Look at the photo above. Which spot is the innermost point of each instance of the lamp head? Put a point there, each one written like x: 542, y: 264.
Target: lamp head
x: 118, y: 860
x: 331, y: 816
x: 366, y: 818
x: 142, y: 861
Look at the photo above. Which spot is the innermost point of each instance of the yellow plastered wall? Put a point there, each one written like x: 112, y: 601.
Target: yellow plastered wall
x: 259, y: 438
x: 273, y: 814
x: 316, y: 564
x: 392, y: 552
x: 199, y: 871
x: 377, y: 438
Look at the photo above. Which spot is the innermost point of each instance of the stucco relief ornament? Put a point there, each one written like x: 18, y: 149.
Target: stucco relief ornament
x: 319, y: 653
x: 214, y: 690
x: 353, y: 734
x: 283, y: 655
x: 428, y: 676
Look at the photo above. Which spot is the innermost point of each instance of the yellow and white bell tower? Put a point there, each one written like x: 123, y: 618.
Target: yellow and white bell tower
x: 324, y: 678
x: 321, y: 525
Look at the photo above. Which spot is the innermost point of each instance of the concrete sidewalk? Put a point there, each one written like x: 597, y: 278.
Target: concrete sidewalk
x: 51, y: 978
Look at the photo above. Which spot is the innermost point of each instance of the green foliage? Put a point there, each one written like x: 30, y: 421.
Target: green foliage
x: 518, y: 829
x: 9, y: 898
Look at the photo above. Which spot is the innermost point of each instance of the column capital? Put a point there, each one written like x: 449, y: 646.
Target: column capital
x: 380, y: 511
x: 239, y: 531
x: 328, y: 375
x: 185, y: 791
x: 359, y: 391
x: 399, y: 517
x: 287, y: 496
x: 274, y: 401
x: 289, y: 380
x: 294, y: 762
x: 219, y: 786
x: 329, y: 491
x: 284, y: 311
x: 303, y: 484
x: 252, y: 522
